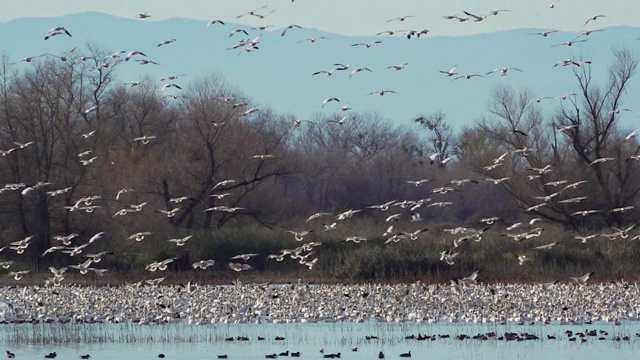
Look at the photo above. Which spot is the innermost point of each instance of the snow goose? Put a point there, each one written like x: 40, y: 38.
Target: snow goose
x: 382, y: 92
x: 357, y: 70
x: 292, y: 26
x: 166, y: 42
x: 401, y: 18
x: 239, y: 266
x: 215, y: 21
x: 367, y: 45
x: 133, y: 53
x: 593, y: 18
x: 468, y: 76
x: 180, y: 241
x: 397, y: 67
x: 203, y: 264
x: 313, y: 39
x: 582, y: 280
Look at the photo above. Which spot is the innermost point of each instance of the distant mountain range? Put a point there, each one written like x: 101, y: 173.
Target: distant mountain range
x: 279, y: 74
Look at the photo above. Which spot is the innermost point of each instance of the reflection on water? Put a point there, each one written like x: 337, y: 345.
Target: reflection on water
x: 126, y: 341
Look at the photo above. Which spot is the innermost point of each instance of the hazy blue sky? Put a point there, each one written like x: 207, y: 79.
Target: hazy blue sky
x: 355, y: 17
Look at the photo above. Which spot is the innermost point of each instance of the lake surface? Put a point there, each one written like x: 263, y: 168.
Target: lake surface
x: 181, y: 341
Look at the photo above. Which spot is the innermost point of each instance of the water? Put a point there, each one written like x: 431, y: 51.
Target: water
x: 179, y: 341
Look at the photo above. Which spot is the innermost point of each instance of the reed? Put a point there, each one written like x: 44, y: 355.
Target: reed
x: 372, y: 260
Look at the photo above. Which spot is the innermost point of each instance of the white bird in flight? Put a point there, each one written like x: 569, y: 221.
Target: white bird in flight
x: 401, y: 18
x: 313, y: 39
x: 215, y: 21
x: 503, y: 71
x: 469, y: 76
x: 367, y: 45
x: 593, y: 18
x: 166, y: 42
x: 203, y: 264
x: 523, y: 259
x: 132, y: 53
x: 382, y: 92
x: 292, y: 26
x: 582, y: 280
x: 476, y: 18
x: 357, y: 70
x: 328, y: 100
x: 545, y: 33
x: 398, y: 67
x: 451, y: 72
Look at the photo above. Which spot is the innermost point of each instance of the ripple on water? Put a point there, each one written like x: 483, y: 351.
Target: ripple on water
x: 182, y: 341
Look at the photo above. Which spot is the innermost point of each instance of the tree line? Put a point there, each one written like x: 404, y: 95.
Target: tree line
x: 83, y: 152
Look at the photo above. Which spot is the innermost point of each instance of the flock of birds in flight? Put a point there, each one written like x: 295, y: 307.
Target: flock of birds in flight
x: 409, y: 209
x: 250, y: 45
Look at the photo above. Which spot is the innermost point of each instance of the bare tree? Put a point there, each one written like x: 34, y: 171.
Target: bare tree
x: 581, y: 142
x: 221, y: 147
x: 41, y: 135
x: 352, y: 164
x: 440, y: 138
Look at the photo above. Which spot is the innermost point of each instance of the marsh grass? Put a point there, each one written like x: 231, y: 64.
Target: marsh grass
x: 131, y: 333
x: 495, y: 256
x: 339, y: 334
x: 58, y: 333
x: 329, y: 336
